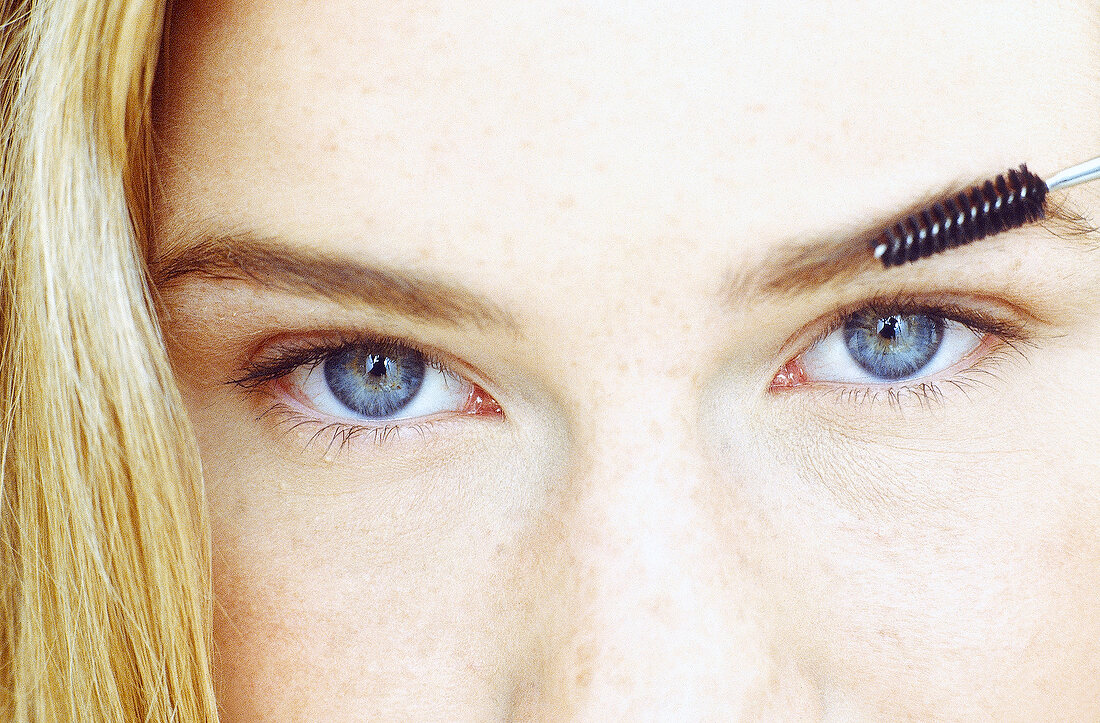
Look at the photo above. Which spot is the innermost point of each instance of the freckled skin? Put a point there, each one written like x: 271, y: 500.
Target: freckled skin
x: 649, y: 532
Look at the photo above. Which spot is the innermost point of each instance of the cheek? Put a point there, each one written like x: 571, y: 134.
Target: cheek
x: 1000, y: 595
x: 934, y: 571
x: 369, y: 587
x: 315, y: 613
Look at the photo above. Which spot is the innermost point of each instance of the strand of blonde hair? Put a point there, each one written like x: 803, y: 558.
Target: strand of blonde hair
x: 106, y: 604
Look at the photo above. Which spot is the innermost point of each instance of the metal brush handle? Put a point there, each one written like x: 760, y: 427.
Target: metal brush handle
x: 1075, y: 174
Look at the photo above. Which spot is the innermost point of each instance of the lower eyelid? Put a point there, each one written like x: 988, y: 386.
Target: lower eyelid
x: 961, y: 383
x: 332, y: 437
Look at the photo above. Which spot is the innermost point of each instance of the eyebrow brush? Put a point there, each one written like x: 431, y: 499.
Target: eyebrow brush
x: 1012, y: 199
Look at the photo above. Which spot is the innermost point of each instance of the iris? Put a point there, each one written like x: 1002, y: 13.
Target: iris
x: 893, y: 346
x: 375, y: 382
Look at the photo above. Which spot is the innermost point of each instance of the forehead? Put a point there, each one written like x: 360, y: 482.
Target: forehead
x: 537, y: 132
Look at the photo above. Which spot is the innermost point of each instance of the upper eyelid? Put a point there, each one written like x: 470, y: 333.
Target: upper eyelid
x: 971, y: 319
x: 286, y: 356
x: 257, y: 373
x: 283, y: 359
x: 963, y: 308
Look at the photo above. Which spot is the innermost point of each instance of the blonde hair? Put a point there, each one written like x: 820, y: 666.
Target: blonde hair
x: 105, y: 591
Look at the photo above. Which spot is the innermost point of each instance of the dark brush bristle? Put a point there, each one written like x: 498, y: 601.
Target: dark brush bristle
x: 1008, y: 201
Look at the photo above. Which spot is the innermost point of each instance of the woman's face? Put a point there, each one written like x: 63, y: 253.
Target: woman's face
x: 545, y: 408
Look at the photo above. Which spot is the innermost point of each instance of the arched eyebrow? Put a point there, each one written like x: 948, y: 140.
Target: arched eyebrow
x: 800, y: 265
x: 790, y: 269
x: 272, y: 263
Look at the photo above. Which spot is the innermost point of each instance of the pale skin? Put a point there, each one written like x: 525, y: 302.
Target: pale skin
x: 647, y: 528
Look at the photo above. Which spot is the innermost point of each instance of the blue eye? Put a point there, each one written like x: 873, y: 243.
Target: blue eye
x: 374, y: 383
x: 371, y: 382
x: 894, y: 346
x: 876, y: 346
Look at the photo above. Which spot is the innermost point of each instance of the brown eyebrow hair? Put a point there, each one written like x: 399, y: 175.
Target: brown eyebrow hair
x: 267, y: 262
x: 800, y: 266
x: 790, y: 269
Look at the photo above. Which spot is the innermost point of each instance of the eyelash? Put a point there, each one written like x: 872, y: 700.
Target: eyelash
x: 284, y: 358
x: 280, y: 360
x: 340, y: 434
x: 1011, y: 338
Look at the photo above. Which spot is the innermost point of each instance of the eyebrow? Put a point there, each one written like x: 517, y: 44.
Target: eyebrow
x: 799, y: 266
x: 791, y: 268
x: 268, y: 262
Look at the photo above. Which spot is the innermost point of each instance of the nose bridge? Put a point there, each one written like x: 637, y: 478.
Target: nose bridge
x: 651, y: 620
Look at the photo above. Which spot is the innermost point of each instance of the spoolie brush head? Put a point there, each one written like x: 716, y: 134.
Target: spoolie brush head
x: 1010, y: 200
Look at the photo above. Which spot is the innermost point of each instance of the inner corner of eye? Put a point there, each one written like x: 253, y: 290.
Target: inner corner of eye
x: 790, y: 375
x: 481, y: 403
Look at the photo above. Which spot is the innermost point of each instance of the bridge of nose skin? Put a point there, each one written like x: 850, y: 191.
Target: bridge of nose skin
x: 650, y: 610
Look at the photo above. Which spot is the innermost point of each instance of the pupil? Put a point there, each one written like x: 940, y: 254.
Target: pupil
x: 888, y: 328
x: 377, y: 365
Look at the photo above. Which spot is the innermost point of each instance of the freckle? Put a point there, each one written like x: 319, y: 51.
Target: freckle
x: 566, y: 202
